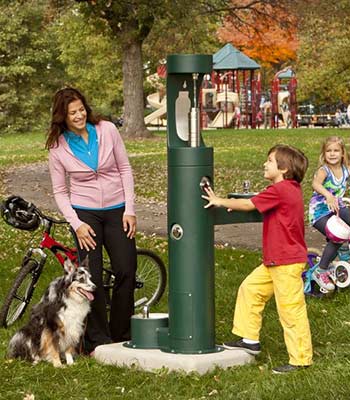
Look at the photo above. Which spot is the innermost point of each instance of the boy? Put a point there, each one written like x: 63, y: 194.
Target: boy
x: 284, y: 258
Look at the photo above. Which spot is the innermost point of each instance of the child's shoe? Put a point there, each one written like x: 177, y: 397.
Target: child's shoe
x: 321, y: 276
x: 284, y: 369
x: 251, y: 348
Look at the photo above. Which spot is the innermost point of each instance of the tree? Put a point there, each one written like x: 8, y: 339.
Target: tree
x: 29, y: 65
x: 324, y: 65
x: 131, y: 21
x: 91, y: 59
x: 267, y: 32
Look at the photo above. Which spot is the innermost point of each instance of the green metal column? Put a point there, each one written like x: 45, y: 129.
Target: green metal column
x: 191, y: 327
x: 190, y: 226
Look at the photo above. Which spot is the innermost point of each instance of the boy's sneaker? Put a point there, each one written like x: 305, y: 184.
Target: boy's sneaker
x: 253, y: 349
x: 284, y: 369
x: 321, y: 276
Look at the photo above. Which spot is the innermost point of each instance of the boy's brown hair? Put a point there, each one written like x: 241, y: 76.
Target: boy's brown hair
x: 291, y: 159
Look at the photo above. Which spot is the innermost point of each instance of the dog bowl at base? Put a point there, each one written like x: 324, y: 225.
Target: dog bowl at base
x: 144, y: 331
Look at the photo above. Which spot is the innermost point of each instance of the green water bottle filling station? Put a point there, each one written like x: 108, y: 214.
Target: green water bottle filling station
x: 188, y: 330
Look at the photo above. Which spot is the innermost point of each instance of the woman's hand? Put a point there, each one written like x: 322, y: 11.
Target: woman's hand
x: 129, y: 225
x: 85, y: 235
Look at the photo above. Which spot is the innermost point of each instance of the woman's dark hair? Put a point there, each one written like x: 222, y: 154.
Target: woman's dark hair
x: 61, y: 100
x: 291, y: 159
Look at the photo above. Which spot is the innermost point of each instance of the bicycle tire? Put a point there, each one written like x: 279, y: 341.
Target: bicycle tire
x: 341, y: 274
x: 20, y: 294
x: 151, y: 279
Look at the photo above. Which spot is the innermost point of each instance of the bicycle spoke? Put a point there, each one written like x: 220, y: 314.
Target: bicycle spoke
x: 148, y: 280
x: 12, y: 317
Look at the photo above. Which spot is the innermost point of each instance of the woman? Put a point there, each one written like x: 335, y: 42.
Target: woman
x: 98, y: 202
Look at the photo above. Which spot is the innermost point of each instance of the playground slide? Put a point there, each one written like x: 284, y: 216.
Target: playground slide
x: 155, y: 115
x: 159, y: 105
x: 154, y: 100
x: 285, y: 117
x: 220, y: 119
x: 283, y: 97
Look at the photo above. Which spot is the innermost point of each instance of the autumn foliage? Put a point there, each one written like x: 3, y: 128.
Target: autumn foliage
x: 265, y: 33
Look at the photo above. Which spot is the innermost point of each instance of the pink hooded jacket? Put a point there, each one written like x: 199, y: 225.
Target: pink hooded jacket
x: 111, y: 184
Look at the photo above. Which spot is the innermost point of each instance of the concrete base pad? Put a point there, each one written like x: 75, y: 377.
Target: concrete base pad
x: 151, y: 360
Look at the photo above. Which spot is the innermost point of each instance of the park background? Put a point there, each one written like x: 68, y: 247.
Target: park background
x: 109, y: 48
x: 48, y: 44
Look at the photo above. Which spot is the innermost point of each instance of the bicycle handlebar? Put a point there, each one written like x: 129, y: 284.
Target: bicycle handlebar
x: 50, y: 219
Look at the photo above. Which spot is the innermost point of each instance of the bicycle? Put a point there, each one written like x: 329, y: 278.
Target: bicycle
x: 339, y: 268
x: 150, y: 276
x: 339, y: 271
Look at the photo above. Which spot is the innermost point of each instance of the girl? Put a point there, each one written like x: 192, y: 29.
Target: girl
x: 329, y: 184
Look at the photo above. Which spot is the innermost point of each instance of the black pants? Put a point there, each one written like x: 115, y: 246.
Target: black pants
x: 331, y: 249
x: 108, y: 227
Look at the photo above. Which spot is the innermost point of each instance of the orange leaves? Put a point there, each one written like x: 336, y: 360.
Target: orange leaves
x: 263, y: 32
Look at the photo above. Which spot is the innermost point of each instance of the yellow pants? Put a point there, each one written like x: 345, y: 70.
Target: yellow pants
x: 286, y: 284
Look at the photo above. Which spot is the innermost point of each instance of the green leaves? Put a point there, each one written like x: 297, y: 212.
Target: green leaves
x: 324, y: 65
x: 26, y: 62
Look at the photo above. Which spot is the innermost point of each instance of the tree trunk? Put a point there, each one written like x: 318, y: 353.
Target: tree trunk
x: 134, y: 125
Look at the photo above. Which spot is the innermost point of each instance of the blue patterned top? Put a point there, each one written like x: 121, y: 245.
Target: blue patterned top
x: 318, y: 205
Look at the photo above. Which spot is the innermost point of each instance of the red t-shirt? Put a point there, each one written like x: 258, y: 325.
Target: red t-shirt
x: 283, y: 228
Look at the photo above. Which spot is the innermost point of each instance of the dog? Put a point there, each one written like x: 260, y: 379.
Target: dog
x: 57, y: 322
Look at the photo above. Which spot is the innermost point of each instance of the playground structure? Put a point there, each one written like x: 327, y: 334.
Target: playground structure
x: 237, y: 91
x: 187, y: 332
x: 158, y: 116
x: 283, y: 99
x: 230, y: 95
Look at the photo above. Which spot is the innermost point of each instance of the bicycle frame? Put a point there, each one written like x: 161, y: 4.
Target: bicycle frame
x: 59, y: 250
x: 344, y: 252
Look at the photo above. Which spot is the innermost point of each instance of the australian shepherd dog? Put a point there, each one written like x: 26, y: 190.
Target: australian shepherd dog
x: 57, y: 322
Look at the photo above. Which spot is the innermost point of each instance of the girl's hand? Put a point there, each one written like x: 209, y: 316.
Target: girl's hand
x: 332, y: 203
x: 85, y: 236
x: 213, y: 200
x: 129, y: 225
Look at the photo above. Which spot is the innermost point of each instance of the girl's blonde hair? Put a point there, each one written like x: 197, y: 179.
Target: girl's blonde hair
x: 326, y: 143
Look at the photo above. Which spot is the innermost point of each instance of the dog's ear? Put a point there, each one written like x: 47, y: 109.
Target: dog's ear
x: 85, y: 262
x: 68, y: 266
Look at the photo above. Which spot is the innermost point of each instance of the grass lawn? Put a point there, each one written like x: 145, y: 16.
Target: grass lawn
x: 239, y: 155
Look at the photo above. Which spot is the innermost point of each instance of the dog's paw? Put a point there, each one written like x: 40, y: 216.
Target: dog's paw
x: 69, y: 359
x: 57, y: 364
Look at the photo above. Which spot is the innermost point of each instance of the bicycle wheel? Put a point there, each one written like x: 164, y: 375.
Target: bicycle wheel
x: 340, y: 272
x: 20, y: 293
x: 150, y: 279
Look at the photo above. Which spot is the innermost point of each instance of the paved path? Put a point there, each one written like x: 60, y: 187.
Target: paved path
x: 33, y: 183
